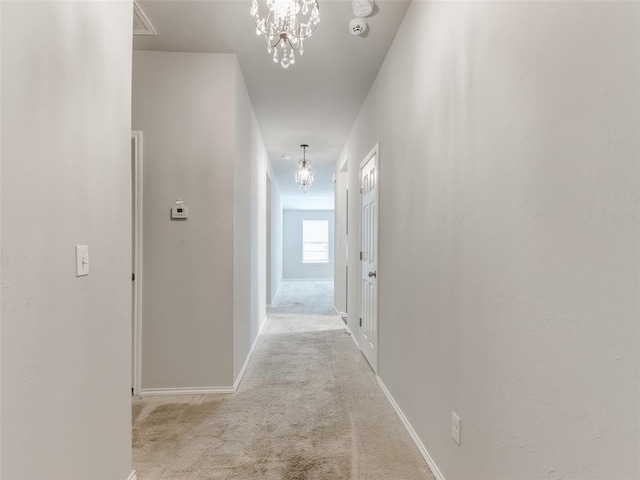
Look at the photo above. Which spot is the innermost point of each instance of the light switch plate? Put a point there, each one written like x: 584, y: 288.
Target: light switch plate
x: 82, y: 260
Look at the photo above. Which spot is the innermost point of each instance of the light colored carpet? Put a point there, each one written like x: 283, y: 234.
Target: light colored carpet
x: 308, y: 408
x: 305, y: 297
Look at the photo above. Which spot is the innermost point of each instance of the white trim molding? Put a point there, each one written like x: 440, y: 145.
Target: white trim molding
x: 342, y: 315
x: 141, y: 23
x: 414, y: 436
x: 353, y: 337
x: 277, y: 292
x: 236, y: 384
x: 138, y: 152
x: 132, y: 476
x: 146, y: 392
x: 312, y: 279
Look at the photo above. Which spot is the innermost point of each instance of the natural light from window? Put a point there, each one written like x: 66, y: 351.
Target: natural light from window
x: 315, y: 241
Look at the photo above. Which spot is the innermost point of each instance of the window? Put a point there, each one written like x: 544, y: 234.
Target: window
x: 315, y: 241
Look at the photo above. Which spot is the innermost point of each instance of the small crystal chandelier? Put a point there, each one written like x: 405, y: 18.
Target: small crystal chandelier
x: 304, y: 175
x: 286, y: 24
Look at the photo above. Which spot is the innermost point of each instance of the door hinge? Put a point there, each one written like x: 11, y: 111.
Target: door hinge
x: 360, y: 322
x: 133, y: 277
x: 361, y: 189
x: 360, y: 255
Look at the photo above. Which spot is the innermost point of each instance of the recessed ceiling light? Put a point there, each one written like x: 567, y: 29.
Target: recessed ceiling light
x: 285, y: 156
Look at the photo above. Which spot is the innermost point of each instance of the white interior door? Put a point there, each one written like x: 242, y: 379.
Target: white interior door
x: 369, y: 254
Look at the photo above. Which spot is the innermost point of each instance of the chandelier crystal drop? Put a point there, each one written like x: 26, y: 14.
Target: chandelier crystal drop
x: 285, y: 24
x: 304, y: 175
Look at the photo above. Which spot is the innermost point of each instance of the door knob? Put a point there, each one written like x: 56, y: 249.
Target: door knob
x: 373, y: 274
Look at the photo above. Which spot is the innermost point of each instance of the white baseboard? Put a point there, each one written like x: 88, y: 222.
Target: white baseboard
x: 236, y: 384
x: 339, y: 313
x: 277, y: 293
x: 132, y: 476
x: 353, y: 337
x: 146, y: 392
x: 342, y: 315
x: 307, y: 279
x: 414, y: 436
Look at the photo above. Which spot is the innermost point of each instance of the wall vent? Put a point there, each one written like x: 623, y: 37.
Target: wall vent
x: 141, y: 24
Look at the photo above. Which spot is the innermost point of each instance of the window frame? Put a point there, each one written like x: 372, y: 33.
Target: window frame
x: 324, y: 260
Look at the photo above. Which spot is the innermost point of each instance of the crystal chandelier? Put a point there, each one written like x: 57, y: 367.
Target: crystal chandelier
x: 286, y: 24
x: 304, y: 175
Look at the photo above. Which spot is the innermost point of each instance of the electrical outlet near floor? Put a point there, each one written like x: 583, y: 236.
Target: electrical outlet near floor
x: 455, y: 427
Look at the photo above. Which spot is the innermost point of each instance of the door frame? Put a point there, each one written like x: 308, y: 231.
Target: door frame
x: 375, y: 152
x: 137, y: 185
x: 344, y: 175
x: 269, y: 245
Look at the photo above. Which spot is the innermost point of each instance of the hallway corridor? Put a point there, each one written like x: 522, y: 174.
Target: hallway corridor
x: 309, y: 407
x: 304, y: 297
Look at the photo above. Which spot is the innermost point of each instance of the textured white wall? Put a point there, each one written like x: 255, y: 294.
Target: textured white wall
x: 249, y: 250
x: 66, y: 341
x: 340, y: 271
x: 276, y: 237
x: 184, y: 104
x: 292, y: 266
x: 509, y: 251
x: 204, y: 278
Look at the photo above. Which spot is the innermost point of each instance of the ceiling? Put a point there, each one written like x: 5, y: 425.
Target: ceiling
x: 314, y: 101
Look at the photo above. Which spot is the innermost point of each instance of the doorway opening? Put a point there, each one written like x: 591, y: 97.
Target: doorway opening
x: 308, y: 250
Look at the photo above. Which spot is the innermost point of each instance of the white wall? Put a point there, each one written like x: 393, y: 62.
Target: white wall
x: 183, y: 103
x: 293, y: 268
x: 66, y: 180
x: 341, y: 230
x: 276, y: 237
x: 204, y: 278
x: 249, y: 251
x: 509, y: 253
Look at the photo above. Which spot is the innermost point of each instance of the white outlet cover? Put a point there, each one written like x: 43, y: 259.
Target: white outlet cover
x: 82, y: 260
x: 455, y: 427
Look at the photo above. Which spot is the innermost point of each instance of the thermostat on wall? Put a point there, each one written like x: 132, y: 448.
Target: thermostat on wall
x: 179, y: 210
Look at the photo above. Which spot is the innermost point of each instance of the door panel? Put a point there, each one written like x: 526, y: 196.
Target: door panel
x: 369, y: 282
